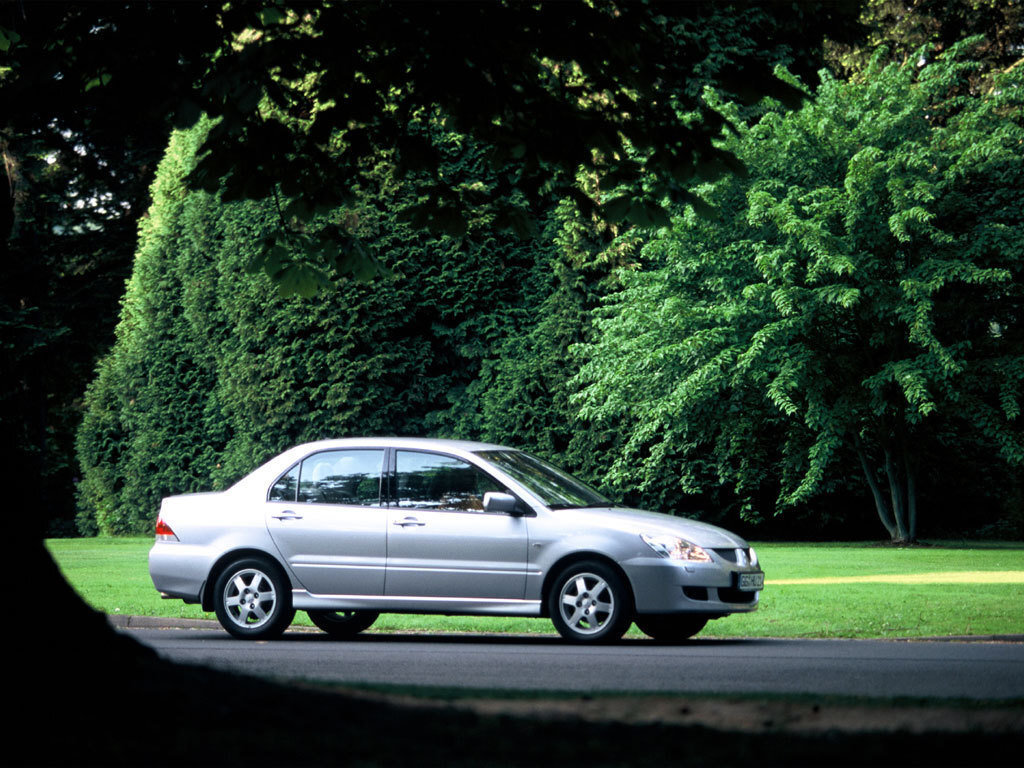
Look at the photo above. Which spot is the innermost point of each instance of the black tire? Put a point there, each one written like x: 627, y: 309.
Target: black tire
x: 343, y: 624
x: 672, y: 627
x: 253, y: 599
x: 589, y: 602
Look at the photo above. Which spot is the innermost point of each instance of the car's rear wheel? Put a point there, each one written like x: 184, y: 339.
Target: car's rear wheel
x: 253, y: 599
x: 590, y: 603
x: 343, y: 624
x: 671, y: 627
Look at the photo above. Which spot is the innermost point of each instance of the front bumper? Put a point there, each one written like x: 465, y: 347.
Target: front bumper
x: 666, y: 586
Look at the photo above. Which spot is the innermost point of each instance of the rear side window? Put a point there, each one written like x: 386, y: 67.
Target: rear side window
x: 286, y: 486
x: 333, y: 477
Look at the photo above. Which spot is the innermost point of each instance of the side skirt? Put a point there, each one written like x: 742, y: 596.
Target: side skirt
x: 455, y: 606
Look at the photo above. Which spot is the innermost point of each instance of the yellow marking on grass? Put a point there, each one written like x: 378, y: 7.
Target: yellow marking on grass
x: 937, y: 577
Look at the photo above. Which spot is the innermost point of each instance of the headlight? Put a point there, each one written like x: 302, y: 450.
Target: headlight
x: 675, y: 548
x: 753, y: 556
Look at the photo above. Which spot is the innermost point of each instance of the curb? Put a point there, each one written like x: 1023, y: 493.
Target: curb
x: 120, y: 621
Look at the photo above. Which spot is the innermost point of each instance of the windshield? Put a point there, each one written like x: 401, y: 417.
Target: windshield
x: 551, y: 485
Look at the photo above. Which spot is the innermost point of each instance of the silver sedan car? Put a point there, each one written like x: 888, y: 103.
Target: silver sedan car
x: 347, y: 529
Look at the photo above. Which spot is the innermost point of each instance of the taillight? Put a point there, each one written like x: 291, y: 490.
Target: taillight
x: 163, y: 530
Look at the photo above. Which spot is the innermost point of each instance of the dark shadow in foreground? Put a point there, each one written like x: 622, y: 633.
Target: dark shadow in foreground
x: 97, y: 697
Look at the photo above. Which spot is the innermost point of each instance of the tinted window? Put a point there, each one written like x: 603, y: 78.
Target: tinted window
x: 432, y: 481
x: 341, y: 477
x: 284, y: 489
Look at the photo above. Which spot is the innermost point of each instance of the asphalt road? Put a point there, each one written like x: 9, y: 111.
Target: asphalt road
x: 946, y: 669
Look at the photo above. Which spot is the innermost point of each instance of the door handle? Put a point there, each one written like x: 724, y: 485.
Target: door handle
x: 408, y: 521
x: 287, y: 515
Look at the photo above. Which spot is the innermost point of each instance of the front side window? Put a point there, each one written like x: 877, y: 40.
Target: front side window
x: 433, y: 481
x: 341, y: 477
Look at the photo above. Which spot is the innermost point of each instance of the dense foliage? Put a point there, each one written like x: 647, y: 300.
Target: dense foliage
x: 852, y: 312
x: 90, y: 92
x: 902, y: 27
x: 213, y: 371
x: 856, y: 310
x: 311, y: 95
x: 334, y: 152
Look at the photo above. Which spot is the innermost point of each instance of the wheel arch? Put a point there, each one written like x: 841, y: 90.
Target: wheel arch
x: 207, y: 601
x: 579, y: 557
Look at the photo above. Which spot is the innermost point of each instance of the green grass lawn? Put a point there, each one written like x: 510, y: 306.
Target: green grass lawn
x: 973, y: 588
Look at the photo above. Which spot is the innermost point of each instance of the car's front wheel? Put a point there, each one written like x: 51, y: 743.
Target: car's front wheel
x: 253, y: 599
x: 671, y: 627
x: 343, y: 624
x: 590, y: 603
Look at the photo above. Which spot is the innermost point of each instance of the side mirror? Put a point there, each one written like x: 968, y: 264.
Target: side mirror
x: 501, y: 502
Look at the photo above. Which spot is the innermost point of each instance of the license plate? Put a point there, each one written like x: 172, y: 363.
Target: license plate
x: 751, y: 581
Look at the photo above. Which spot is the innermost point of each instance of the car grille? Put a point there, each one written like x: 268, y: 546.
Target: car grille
x: 736, y: 556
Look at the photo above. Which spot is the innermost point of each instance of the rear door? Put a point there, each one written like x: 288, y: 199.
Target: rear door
x: 441, y: 542
x: 328, y: 520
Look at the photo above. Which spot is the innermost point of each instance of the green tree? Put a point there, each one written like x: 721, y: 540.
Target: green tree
x: 213, y: 370
x: 544, y: 86
x: 521, y: 396
x: 310, y: 97
x: 860, y: 298
x: 906, y: 27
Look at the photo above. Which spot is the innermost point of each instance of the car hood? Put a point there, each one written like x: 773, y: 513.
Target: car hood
x: 643, y: 521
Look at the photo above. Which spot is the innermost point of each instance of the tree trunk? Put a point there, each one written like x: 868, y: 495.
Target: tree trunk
x: 897, y: 496
x: 881, y: 506
x: 8, y: 187
x: 898, y: 511
x: 911, y: 490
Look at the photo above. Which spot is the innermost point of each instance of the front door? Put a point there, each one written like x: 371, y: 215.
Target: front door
x: 441, y: 542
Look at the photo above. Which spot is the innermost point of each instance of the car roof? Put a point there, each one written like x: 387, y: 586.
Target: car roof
x: 435, y: 443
